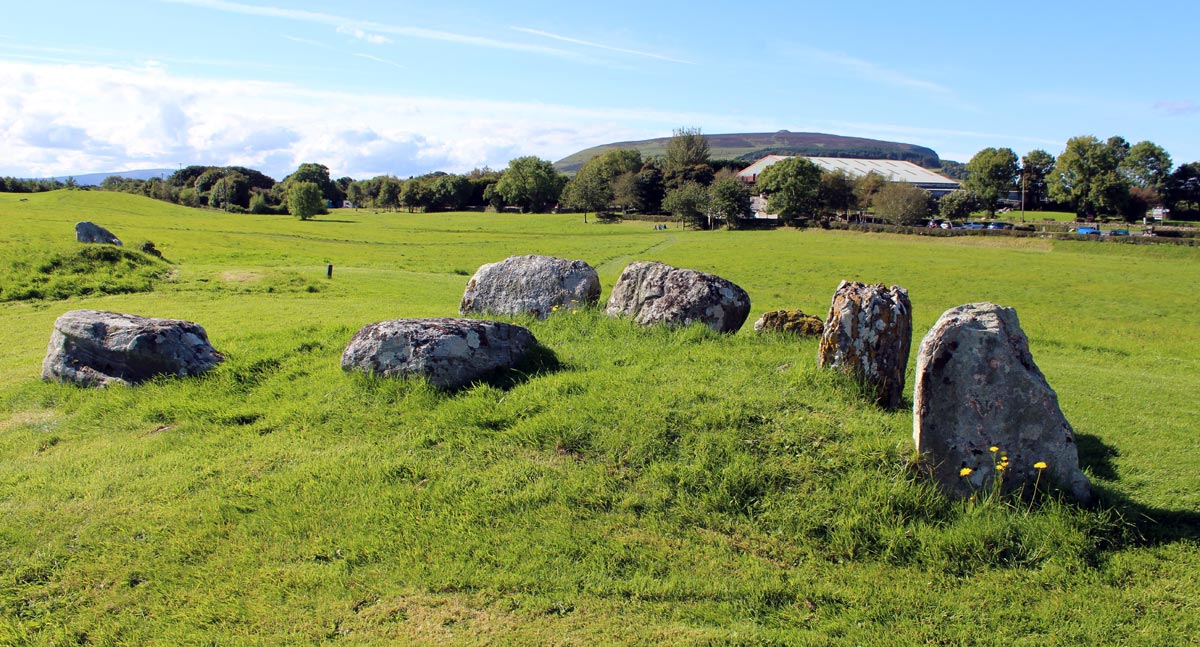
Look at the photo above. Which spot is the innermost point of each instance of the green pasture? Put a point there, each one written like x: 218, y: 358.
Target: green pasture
x: 631, y: 487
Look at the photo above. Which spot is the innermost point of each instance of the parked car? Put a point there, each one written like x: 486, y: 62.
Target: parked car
x: 1087, y: 231
x: 1119, y: 232
x: 974, y: 225
x: 999, y: 225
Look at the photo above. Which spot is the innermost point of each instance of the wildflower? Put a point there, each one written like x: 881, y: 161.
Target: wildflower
x: 1040, y: 465
x: 554, y: 309
x: 574, y: 311
x: 1002, y: 466
x: 965, y: 472
x: 993, y: 449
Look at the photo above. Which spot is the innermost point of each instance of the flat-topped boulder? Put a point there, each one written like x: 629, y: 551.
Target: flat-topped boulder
x: 97, y: 348
x: 789, y: 321
x: 90, y: 232
x: 530, y: 284
x: 656, y: 293
x: 978, y: 388
x: 868, y: 334
x: 448, y: 352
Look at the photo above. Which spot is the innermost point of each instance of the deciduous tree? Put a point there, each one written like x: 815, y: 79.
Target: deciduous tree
x: 304, y: 200
x: 1035, y: 167
x: 688, y: 203
x: 1086, y: 175
x: 901, y: 203
x: 957, y: 205
x: 1147, y: 165
x: 991, y: 174
x: 729, y: 200
x: 531, y: 183
x: 792, y: 187
x: 687, y: 147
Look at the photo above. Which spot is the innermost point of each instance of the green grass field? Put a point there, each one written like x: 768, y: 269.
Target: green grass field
x: 650, y: 487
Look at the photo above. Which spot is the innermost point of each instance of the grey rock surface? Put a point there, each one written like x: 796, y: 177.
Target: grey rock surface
x: 97, y: 348
x: 88, y: 232
x: 789, y: 321
x: 449, y: 352
x: 530, y: 284
x: 868, y: 333
x: 656, y: 293
x: 977, y: 387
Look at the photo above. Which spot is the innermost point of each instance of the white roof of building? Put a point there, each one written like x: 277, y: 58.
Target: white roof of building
x: 893, y: 170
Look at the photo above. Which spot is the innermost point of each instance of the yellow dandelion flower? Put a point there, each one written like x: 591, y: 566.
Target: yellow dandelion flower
x: 965, y: 472
x: 1002, y: 466
x: 993, y: 449
x: 1040, y: 465
x: 554, y: 309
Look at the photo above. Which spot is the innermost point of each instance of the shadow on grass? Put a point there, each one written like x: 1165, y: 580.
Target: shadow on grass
x: 1152, y: 525
x: 540, y: 360
x: 321, y: 220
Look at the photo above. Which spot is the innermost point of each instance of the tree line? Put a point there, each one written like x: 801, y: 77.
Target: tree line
x: 1090, y: 177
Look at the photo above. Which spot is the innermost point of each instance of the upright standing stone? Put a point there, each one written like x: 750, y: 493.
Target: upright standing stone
x: 530, y: 284
x: 448, y: 352
x: 656, y: 293
x: 978, y: 387
x: 868, y: 333
x: 97, y: 348
x: 89, y: 232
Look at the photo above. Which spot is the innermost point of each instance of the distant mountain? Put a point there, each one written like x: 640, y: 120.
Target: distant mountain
x: 93, y: 179
x: 749, y: 147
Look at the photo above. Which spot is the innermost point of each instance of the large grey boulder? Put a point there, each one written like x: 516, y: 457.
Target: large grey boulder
x: 530, y: 284
x: 97, y: 348
x: 656, y: 293
x: 449, y: 352
x: 978, y: 387
x: 868, y: 334
x: 89, y: 232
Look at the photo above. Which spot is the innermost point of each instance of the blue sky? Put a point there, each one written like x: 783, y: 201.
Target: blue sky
x: 409, y: 87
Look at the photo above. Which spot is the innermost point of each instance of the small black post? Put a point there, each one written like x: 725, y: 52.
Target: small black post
x: 329, y: 271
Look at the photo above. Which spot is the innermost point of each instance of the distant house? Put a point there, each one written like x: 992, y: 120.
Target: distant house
x: 892, y: 170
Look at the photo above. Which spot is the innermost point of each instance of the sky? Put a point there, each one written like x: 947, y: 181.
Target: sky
x: 404, y: 88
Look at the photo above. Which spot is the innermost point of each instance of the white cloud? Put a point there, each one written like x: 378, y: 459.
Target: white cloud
x: 70, y: 119
x: 367, y: 26
x: 362, y: 34
x: 874, y: 72
x: 1177, y: 108
x: 576, y: 41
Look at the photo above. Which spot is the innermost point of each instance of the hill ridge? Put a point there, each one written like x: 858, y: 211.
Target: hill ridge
x: 749, y: 147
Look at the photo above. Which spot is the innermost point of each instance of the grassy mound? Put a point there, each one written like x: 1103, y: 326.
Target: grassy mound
x: 641, y: 486
x: 85, y: 271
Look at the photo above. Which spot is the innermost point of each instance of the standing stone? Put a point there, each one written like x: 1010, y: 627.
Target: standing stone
x: 977, y: 388
x: 449, y: 352
x: 530, y: 284
x: 88, y: 232
x: 868, y: 333
x: 96, y: 348
x: 656, y: 293
x: 789, y: 321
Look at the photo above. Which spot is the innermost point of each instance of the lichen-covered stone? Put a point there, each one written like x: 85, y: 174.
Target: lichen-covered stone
x: 96, y: 348
x: 868, y: 333
x: 449, y: 352
x: 656, y: 293
x: 789, y: 321
x: 977, y: 387
x: 89, y: 232
x: 530, y: 284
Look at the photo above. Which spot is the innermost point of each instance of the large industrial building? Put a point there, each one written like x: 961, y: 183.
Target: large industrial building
x: 892, y: 170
